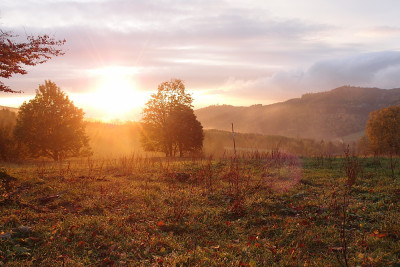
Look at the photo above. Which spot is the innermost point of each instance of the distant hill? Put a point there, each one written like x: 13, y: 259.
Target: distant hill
x: 9, y: 108
x: 336, y: 114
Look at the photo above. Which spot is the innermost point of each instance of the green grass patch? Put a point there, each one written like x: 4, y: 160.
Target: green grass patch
x: 253, y: 212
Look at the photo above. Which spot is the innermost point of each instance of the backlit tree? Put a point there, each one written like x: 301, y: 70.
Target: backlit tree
x: 51, y: 126
x: 169, y: 124
x: 186, y: 130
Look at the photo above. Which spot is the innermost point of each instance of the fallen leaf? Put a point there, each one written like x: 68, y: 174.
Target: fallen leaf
x: 34, y: 239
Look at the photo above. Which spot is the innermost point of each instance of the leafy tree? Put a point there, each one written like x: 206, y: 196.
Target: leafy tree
x: 383, y: 128
x: 169, y: 124
x: 186, y: 130
x: 50, y: 125
x: 14, y: 54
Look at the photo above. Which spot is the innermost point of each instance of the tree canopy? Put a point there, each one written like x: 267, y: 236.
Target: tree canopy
x: 169, y: 123
x: 14, y: 55
x: 50, y: 125
x: 186, y: 130
x: 383, y: 128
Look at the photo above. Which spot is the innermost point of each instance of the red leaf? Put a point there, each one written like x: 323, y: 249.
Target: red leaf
x: 301, y: 245
x: 94, y: 233
x: 273, y: 250
x: 252, y: 237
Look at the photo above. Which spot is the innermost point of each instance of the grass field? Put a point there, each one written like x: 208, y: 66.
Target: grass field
x: 261, y: 210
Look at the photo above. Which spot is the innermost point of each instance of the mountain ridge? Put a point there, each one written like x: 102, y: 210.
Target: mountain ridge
x: 328, y: 115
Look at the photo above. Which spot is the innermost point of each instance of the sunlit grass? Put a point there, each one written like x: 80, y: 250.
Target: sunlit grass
x: 142, y: 211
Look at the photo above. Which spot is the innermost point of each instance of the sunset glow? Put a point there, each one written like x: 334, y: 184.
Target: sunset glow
x: 115, y: 95
x: 238, y: 53
x: 199, y: 133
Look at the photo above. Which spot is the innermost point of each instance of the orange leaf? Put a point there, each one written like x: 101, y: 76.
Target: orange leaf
x: 160, y: 223
x: 382, y: 235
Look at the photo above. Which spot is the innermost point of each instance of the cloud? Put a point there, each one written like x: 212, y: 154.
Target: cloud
x: 202, y: 49
x: 361, y: 70
x: 241, y: 50
x: 379, y: 31
x: 378, y: 69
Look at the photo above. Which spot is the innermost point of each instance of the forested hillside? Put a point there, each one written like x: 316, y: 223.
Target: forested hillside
x: 335, y: 114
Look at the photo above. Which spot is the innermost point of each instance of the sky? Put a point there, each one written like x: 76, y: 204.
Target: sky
x: 227, y: 52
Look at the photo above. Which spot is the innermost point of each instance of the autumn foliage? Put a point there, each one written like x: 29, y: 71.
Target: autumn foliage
x: 383, y: 128
x: 169, y: 123
x: 51, y: 126
x: 15, y: 55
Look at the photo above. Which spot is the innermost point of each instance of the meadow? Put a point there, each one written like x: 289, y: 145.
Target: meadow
x: 259, y: 209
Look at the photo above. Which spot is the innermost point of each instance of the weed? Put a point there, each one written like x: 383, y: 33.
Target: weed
x: 351, y: 166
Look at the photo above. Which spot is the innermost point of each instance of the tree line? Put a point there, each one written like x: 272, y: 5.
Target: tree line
x: 51, y: 126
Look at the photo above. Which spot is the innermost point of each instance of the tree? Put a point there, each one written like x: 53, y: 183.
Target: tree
x: 383, y: 128
x: 186, y: 130
x: 169, y: 124
x: 51, y: 126
x: 14, y: 54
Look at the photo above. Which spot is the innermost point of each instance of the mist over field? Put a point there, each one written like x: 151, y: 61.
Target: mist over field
x: 293, y: 126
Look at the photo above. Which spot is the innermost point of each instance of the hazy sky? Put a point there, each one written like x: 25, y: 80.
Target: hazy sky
x: 227, y: 52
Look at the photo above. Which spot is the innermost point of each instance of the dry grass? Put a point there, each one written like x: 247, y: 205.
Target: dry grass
x: 260, y: 210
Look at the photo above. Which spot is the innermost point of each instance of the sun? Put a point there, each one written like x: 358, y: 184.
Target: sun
x: 116, y: 94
